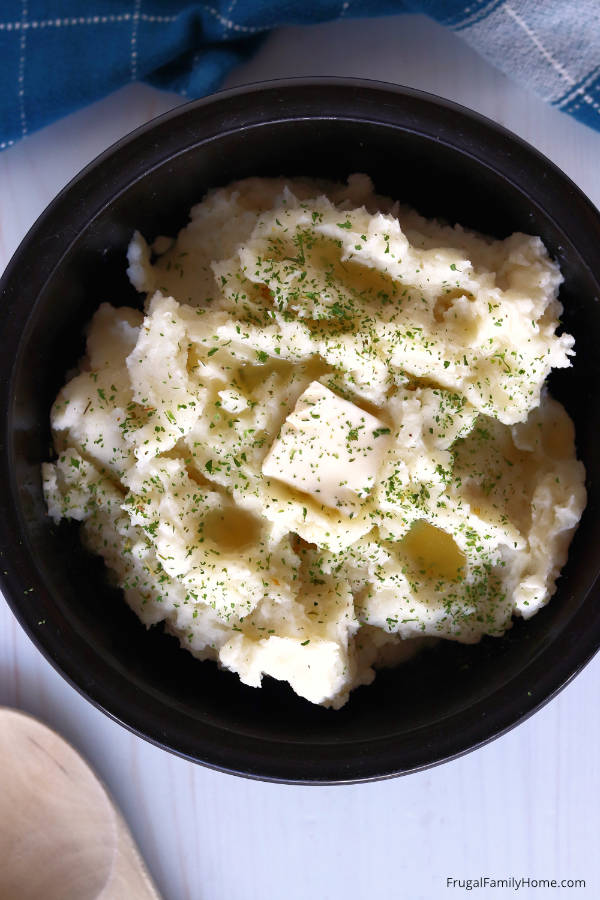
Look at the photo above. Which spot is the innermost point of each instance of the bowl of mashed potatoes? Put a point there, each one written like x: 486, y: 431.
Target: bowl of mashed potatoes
x: 301, y: 381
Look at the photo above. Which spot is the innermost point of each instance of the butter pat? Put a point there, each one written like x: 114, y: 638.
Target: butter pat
x: 328, y: 448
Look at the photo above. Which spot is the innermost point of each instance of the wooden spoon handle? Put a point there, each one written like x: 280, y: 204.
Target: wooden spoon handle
x: 60, y: 833
x: 129, y: 876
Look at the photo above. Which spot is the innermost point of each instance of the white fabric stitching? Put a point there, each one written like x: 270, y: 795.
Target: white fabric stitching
x: 146, y: 17
x: 247, y: 29
x: 57, y: 23
x: 230, y: 9
x: 558, y: 67
x: 570, y: 95
x: 82, y: 20
x: 476, y: 15
x: 21, y: 76
x: 535, y: 39
x: 134, y: 36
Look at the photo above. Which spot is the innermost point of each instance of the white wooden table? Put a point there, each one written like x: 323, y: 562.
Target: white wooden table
x: 526, y: 805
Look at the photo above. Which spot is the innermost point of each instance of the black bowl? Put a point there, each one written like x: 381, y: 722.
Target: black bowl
x: 432, y: 154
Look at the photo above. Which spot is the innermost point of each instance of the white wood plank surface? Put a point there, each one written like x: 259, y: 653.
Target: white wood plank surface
x: 525, y: 805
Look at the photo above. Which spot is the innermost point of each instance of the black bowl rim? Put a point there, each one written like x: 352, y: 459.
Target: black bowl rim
x: 120, y: 165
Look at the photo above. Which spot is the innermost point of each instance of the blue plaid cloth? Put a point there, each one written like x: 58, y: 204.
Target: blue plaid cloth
x: 57, y: 55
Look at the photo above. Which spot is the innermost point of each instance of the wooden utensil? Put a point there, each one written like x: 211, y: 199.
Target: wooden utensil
x: 61, y: 836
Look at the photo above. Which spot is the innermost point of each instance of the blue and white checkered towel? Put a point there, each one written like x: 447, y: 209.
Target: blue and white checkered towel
x: 57, y: 55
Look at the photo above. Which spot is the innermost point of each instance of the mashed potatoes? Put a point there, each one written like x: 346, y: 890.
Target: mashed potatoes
x: 327, y: 441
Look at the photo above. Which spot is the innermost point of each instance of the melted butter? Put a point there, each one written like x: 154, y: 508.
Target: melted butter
x: 250, y: 377
x: 433, y: 551
x: 231, y: 528
x: 558, y: 437
x: 446, y: 301
x: 356, y: 277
